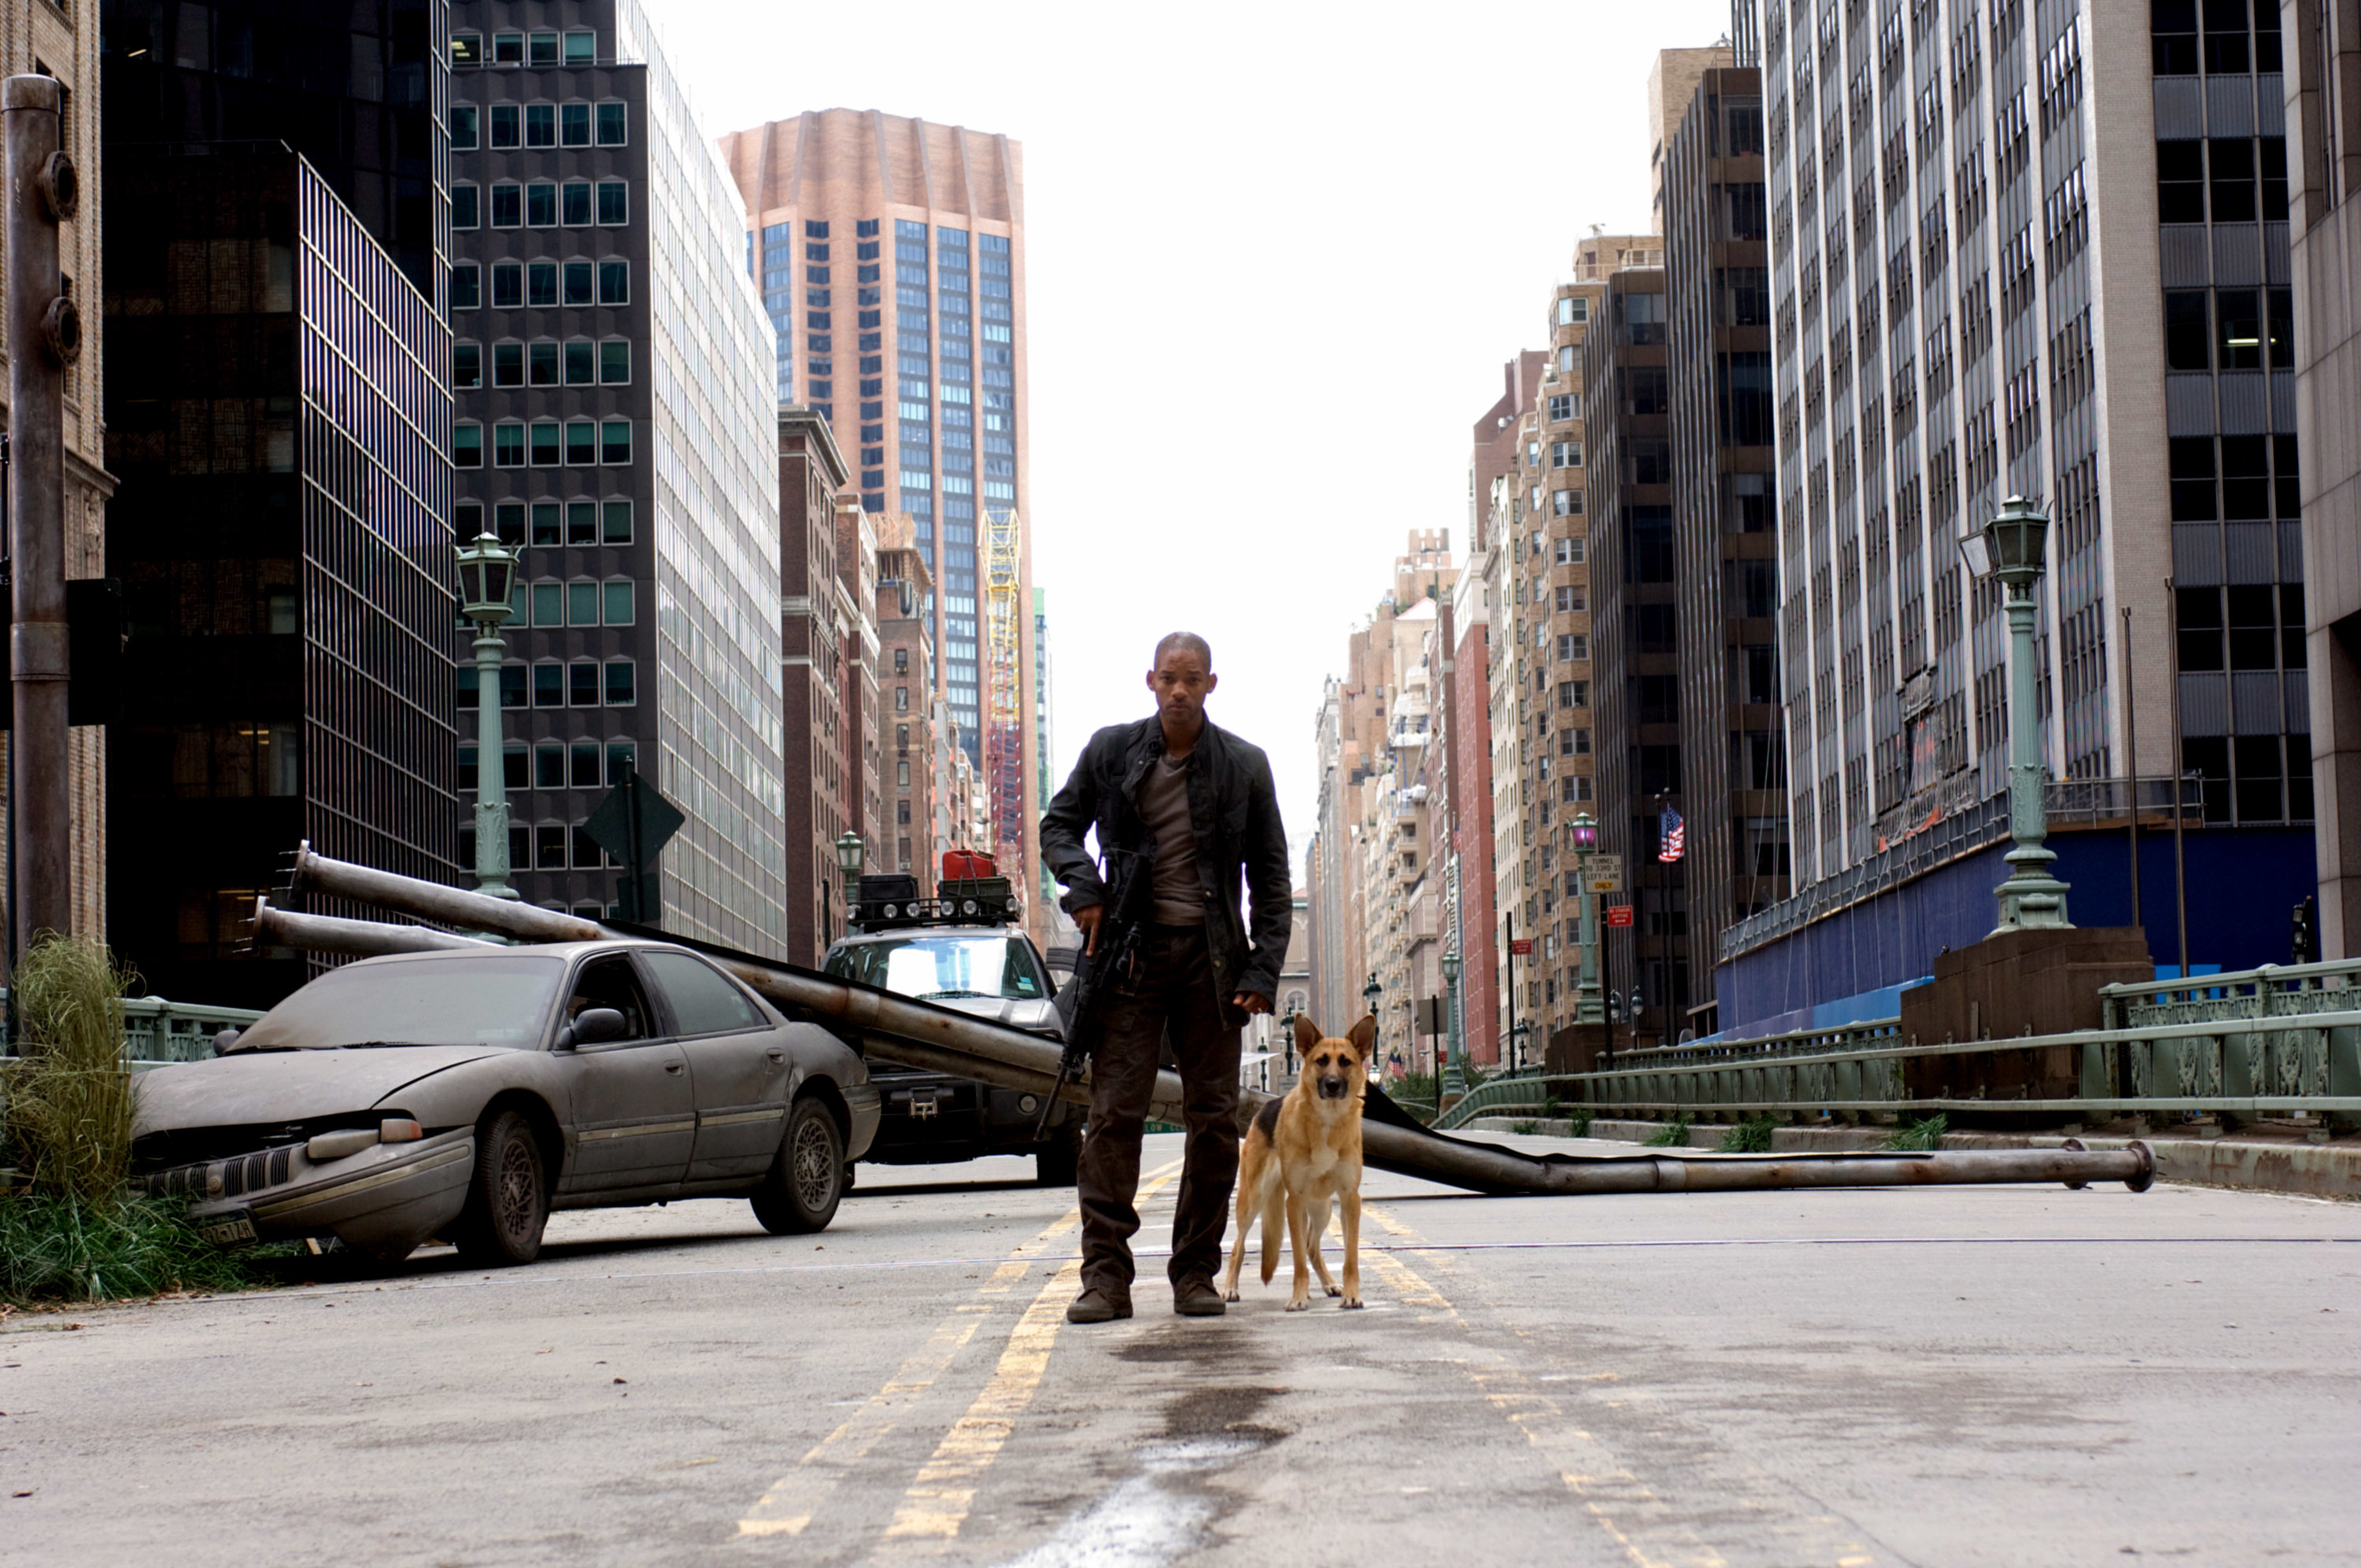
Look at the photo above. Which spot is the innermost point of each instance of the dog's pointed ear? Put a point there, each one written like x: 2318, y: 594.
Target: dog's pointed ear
x: 1307, y: 1034
x: 1365, y: 1035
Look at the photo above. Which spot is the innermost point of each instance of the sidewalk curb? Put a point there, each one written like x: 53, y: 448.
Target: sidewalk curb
x: 2304, y: 1170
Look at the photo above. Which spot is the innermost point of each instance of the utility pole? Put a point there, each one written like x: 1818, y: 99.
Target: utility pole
x: 44, y: 337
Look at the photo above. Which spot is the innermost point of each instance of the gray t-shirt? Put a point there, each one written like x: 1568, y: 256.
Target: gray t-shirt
x: 1179, y: 898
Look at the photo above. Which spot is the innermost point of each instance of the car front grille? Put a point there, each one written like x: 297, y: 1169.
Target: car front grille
x: 226, y: 1178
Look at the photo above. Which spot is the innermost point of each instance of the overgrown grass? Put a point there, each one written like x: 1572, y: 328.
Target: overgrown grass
x: 1748, y: 1137
x: 1673, y: 1135
x: 1921, y: 1136
x: 73, y: 1249
x: 1577, y: 1121
x: 70, y: 1096
x: 1413, y: 1086
x: 1524, y: 1126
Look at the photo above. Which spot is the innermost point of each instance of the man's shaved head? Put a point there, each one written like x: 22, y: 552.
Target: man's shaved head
x: 1187, y: 641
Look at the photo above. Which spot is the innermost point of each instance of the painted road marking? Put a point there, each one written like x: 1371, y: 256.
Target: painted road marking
x: 938, y: 1501
x: 787, y: 1505
x: 1631, y: 1515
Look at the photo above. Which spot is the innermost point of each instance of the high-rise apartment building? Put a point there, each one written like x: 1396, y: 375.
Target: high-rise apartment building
x: 613, y: 369
x: 921, y: 370
x: 2323, y: 64
x: 2034, y: 248
x: 280, y: 426
x: 905, y: 676
x: 822, y: 788
x: 64, y: 43
x: 1718, y: 309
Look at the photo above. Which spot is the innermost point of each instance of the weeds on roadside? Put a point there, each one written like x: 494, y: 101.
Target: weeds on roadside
x: 1577, y: 1121
x: 1524, y: 1126
x: 1748, y: 1137
x: 74, y: 1249
x: 68, y: 1105
x: 1919, y: 1138
x: 1673, y: 1135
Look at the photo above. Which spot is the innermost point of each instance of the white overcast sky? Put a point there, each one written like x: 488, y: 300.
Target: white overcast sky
x: 1277, y: 255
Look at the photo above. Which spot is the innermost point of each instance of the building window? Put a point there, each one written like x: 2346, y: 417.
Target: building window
x: 549, y: 765
x: 1574, y: 694
x: 614, y: 202
x: 466, y: 364
x: 541, y: 125
x: 1560, y: 407
x: 610, y: 124
x: 508, y: 445
x: 615, y: 440
x: 578, y: 282
x: 549, y: 686
x: 508, y: 205
x: 1565, y: 503
x: 582, y: 684
x: 581, y: 443
x: 579, y: 362
x: 1566, y: 454
x: 508, y: 285
x: 618, y: 596
x: 581, y: 49
x: 574, y: 125
x: 1573, y: 646
x: 466, y: 50
x: 616, y: 517
x: 582, y: 522
x: 614, y: 282
x: 541, y: 204
x: 508, y: 365
x: 467, y: 446
x: 541, y: 284
x: 467, y: 287
x: 545, y: 530
x: 901, y: 699
x: 545, y: 447
x: 620, y: 755
x: 543, y: 358
x: 465, y: 207
x: 507, y: 125
x: 1573, y: 310
x: 619, y: 684
x: 582, y: 603
x: 615, y: 362
x: 508, y: 524
x: 549, y: 843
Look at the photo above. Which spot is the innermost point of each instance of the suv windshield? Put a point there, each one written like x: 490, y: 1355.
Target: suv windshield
x: 938, y: 967
x: 501, y: 1000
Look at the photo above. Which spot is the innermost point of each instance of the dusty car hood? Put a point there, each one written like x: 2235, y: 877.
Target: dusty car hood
x: 1038, y: 1016
x: 284, y: 1086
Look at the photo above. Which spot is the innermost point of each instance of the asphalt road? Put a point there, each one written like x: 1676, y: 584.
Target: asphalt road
x: 1940, y: 1377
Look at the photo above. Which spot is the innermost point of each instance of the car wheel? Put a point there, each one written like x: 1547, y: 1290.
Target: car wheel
x: 806, y: 1181
x: 507, y: 1203
x: 1060, y: 1162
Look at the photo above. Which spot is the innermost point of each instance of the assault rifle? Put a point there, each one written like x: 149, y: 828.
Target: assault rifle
x: 1130, y: 877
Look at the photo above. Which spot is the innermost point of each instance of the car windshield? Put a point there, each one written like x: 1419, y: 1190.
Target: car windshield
x: 940, y: 968
x: 499, y: 1000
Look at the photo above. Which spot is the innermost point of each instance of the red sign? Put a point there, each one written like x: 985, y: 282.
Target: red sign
x: 1618, y: 915
x: 1522, y: 946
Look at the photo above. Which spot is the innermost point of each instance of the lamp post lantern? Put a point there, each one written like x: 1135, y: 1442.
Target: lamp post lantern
x: 487, y: 585
x: 1451, y: 1003
x: 850, y: 852
x: 1588, y: 1005
x: 2010, y: 549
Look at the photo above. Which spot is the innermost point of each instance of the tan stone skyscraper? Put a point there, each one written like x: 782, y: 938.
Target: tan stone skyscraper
x: 918, y: 365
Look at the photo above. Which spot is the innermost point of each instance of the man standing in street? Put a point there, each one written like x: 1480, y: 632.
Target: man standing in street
x: 1203, y: 799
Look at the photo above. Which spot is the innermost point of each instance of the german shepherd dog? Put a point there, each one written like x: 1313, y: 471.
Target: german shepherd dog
x: 1304, y: 1151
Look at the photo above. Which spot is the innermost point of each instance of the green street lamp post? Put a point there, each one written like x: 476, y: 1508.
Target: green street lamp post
x: 2010, y: 549
x: 1589, y: 1007
x: 1518, y: 1038
x: 487, y: 583
x: 850, y: 852
x: 1451, y: 1049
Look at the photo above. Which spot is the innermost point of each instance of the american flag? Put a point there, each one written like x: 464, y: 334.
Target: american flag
x: 1672, y: 836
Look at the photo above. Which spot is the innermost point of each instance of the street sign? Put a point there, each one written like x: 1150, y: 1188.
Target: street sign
x: 1618, y: 915
x: 632, y: 823
x: 1522, y: 946
x: 1601, y: 873
x: 1433, y: 1015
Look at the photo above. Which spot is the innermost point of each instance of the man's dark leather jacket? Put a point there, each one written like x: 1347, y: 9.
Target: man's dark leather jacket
x: 1236, y: 812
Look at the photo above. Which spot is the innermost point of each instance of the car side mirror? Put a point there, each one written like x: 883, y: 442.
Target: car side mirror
x: 597, y: 1025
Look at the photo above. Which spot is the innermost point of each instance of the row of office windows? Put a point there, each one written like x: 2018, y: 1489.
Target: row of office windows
x: 543, y: 285
x: 576, y: 124
x: 546, y: 47
x: 541, y: 203
x: 583, y: 683
x: 553, y: 522
x: 584, y: 601
x: 546, y: 847
x: 587, y: 763
x: 577, y: 362
x: 544, y: 444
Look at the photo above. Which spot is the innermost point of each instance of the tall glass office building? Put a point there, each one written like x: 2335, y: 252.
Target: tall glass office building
x: 617, y: 422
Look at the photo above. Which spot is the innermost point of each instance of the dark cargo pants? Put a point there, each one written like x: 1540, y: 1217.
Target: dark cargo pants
x: 1173, y: 988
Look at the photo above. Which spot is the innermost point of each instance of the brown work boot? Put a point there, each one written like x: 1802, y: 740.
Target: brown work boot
x: 1197, y: 1298
x: 1097, y: 1304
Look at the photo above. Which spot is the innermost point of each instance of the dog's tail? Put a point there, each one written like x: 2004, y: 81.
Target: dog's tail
x: 1274, y: 1226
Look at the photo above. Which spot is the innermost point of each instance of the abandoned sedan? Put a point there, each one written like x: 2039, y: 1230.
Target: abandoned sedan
x: 465, y: 1095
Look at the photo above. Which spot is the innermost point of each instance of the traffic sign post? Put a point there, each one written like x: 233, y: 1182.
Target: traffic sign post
x: 1618, y: 915
x: 1601, y: 873
x: 633, y: 824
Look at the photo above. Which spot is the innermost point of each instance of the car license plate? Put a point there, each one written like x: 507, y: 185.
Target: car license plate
x: 221, y: 1232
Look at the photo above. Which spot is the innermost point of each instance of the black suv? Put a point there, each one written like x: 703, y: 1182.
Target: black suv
x: 946, y: 956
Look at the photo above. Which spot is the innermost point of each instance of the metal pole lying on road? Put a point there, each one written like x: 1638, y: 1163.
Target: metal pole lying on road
x: 44, y: 337
x: 920, y: 1035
